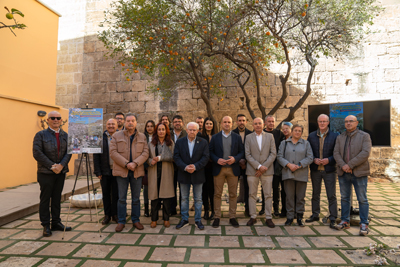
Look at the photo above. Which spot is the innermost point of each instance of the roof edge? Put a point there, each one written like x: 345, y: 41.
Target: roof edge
x: 49, y: 8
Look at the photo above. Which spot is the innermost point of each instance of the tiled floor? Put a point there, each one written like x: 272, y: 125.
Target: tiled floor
x: 21, y: 242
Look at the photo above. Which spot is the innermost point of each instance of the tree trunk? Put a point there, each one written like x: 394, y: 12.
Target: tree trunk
x: 259, y: 101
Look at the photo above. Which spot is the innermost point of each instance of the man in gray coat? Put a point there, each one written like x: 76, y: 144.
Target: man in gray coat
x: 351, y: 153
x: 260, y: 154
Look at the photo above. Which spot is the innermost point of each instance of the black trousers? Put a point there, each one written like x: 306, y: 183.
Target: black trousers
x: 109, y: 188
x: 51, y: 186
x: 208, y: 191
x: 246, y: 193
x: 174, y: 200
x: 156, y: 205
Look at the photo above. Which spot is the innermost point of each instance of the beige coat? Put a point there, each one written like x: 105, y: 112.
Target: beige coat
x: 120, y: 149
x: 255, y: 157
x: 167, y: 174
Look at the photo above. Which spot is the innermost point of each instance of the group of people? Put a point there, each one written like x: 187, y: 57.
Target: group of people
x: 166, y: 157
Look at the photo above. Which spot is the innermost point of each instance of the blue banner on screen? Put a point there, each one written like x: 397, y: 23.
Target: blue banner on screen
x: 338, y: 112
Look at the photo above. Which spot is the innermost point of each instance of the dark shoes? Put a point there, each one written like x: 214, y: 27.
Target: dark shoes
x: 206, y: 215
x: 119, y: 227
x: 106, y: 220
x: 138, y: 226
x: 289, y: 222
x: 300, y: 220
x: 276, y: 213
x: 269, y: 223
x: 199, y: 225
x: 234, y: 222
x: 332, y: 224
x: 262, y: 211
x: 212, y: 216
x: 114, y: 218
x: 215, y: 223
x: 46, y: 231
x: 313, y: 218
x: 251, y: 222
x: 182, y: 224
x: 60, y: 227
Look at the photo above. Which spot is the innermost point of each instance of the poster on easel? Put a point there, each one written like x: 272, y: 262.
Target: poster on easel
x: 85, y: 130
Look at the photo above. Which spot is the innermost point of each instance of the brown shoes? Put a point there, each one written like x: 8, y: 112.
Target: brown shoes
x: 138, y: 226
x: 269, y: 223
x: 251, y: 222
x: 167, y: 224
x: 119, y: 227
x: 153, y: 224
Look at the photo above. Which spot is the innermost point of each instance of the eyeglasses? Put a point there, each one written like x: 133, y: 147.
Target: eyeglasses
x: 349, y: 121
x: 323, y: 121
x: 55, y: 118
x: 119, y: 119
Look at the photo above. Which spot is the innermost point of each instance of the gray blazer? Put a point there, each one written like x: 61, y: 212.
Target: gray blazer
x: 255, y: 157
x: 299, y: 153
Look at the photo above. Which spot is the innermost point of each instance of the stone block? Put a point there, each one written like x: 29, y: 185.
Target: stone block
x: 60, y: 68
x: 104, y: 65
x: 281, y: 114
x: 378, y: 166
x: 390, y: 153
x: 334, y: 65
x: 111, y: 86
x: 90, y: 77
x: 66, y: 99
x: 85, y: 99
x: 63, y: 59
x: 71, y: 48
x: 65, y: 78
x: 270, y: 102
x: 97, y: 88
x: 93, y: 57
x: 76, y: 58
x: 78, y: 77
x: 272, y: 79
x: 116, y: 97
x: 385, y: 87
x: 124, y: 86
x: 139, y: 85
x: 61, y: 90
x: 113, y: 108
x: 291, y: 101
x: 394, y: 49
x: 72, y: 89
x: 196, y: 94
x: 100, y: 98
x: 143, y: 117
x: 231, y: 92
x: 73, y: 67
x: 389, y: 61
x: 323, y: 77
x: 276, y: 91
x: 185, y: 94
x: 130, y: 96
x: 302, y: 78
x: 109, y: 76
x: 100, y: 47
x: 186, y: 105
x: 89, y: 47
x: 87, y: 66
x: 79, y: 48
x: 145, y: 96
x: 137, y: 107
x: 154, y: 106
x: 375, y: 153
x: 392, y: 75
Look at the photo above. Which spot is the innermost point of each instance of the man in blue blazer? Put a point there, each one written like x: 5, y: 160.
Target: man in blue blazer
x: 191, y: 155
x: 226, y: 150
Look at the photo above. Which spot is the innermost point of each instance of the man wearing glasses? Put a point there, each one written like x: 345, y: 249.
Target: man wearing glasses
x: 50, y: 152
x: 351, y: 153
x: 120, y: 117
x: 322, y: 142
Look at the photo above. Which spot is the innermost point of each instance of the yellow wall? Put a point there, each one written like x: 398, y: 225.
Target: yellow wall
x: 28, y: 62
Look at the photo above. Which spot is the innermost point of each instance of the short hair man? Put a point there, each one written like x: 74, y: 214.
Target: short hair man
x: 322, y: 143
x: 278, y: 136
x: 120, y: 117
x: 178, y: 133
x: 103, y: 165
x: 200, y: 122
x: 241, y: 122
x: 352, y: 150
x: 50, y: 152
x: 129, y: 150
x: 226, y: 150
x: 260, y: 155
x: 191, y: 156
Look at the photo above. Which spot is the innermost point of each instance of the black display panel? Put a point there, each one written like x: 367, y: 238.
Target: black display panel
x: 373, y: 117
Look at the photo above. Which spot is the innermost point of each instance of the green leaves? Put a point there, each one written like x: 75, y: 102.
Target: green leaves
x: 16, y: 11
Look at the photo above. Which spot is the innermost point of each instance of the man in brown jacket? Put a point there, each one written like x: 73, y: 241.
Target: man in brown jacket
x: 129, y: 150
x: 260, y: 154
x: 352, y: 150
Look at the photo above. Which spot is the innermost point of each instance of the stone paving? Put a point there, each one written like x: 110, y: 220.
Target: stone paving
x: 22, y: 244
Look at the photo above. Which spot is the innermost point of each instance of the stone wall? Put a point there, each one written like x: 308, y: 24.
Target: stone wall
x: 371, y: 73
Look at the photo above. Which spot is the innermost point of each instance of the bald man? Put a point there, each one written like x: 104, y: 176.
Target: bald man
x: 352, y: 150
x: 50, y: 152
x: 103, y: 170
x: 226, y: 150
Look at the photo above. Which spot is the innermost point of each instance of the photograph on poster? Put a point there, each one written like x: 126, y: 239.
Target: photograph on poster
x: 85, y: 130
x: 338, y: 112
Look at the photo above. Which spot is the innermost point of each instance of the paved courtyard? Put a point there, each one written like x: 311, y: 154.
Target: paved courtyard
x: 22, y: 244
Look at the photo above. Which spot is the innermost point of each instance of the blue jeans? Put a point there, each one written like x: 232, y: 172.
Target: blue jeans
x: 198, y: 202
x: 136, y: 185
x: 360, y: 186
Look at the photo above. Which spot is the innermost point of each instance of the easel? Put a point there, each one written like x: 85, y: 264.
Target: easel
x: 88, y: 172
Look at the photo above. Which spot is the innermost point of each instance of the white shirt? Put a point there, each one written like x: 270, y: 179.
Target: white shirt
x: 259, y: 142
x: 54, y: 130
x: 226, y: 135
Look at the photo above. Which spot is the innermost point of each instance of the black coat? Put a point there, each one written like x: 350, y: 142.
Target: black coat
x: 199, y: 158
x: 329, y: 146
x: 246, y: 132
x: 101, y: 161
x: 45, y: 151
x: 217, y: 152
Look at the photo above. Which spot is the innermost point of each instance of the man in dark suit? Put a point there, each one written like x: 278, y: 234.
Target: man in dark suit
x: 243, y: 132
x: 191, y: 156
x: 226, y: 150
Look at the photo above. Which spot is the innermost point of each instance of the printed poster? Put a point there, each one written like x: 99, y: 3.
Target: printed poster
x: 85, y: 130
x: 338, y: 112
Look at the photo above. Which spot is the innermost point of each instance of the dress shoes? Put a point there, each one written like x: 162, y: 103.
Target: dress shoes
x: 206, y: 215
x: 138, y: 226
x: 261, y: 212
x: 119, y: 227
x: 234, y: 222
x: 153, y: 224
x: 215, y: 223
x: 167, y: 224
x: 46, y: 231
x: 300, y: 220
x: 114, y: 218
x: 106, y: 220
x: 269, y: 223
x: 289, y: 222
x: 181, y: 224
x: 251, y: 222
x: 60, y: 227
x: 313, y: 218
x: 199, y: 225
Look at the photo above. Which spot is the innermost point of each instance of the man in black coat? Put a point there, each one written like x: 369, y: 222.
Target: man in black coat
x: 243, y: 132
x: 103, y: 170
x: 50, y: 152
x: 226, y: 150
x: 191, y: 156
